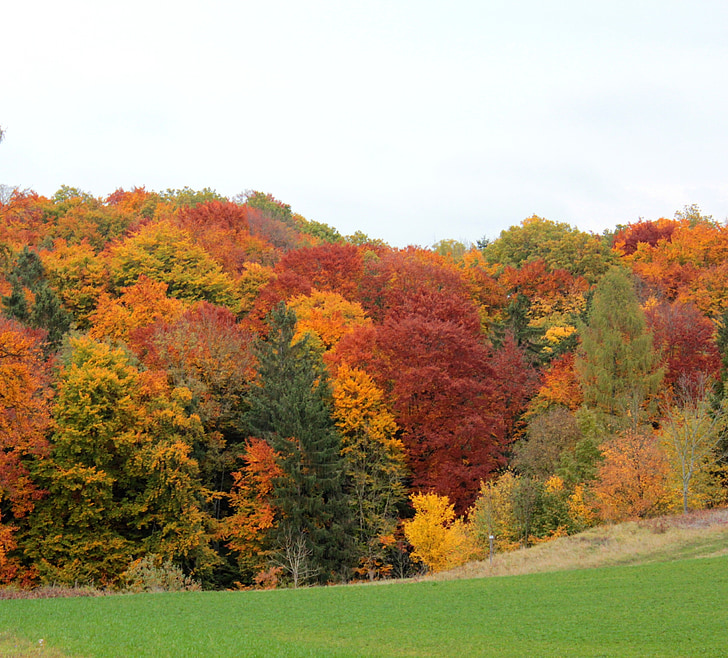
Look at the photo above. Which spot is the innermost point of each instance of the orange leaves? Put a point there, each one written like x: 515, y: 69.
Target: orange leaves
x: 688, y: 262
x: 24, y: 413
x: 632, y: 482
x: 250, y: 497
x: 327, y: 317
x: 139, y: 305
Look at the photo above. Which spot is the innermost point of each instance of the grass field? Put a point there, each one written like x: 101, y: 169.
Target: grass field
x: 669, y: 609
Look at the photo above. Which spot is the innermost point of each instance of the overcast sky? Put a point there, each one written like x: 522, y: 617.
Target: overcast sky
x: 412, y: 121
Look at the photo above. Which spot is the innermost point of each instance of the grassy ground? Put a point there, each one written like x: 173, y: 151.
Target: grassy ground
x: 648, y: 596
x: 699, y: 534
x: 669, y: 609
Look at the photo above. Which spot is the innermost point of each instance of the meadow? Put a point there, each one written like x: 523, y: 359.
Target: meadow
x: 677, y: 608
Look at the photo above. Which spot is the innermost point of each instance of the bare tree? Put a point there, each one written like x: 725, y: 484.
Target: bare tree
x: 692, y: 431
x: 294, y: 558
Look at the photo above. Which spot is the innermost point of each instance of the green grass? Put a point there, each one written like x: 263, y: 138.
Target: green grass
x: 669, y: 609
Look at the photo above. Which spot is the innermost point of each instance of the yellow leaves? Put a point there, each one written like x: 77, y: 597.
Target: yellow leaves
x: 555, y: 335
x: 440, y: 540
x: 359, y: 407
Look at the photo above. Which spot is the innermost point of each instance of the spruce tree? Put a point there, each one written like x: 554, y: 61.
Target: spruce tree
x: 46, y: 311
x: 291, y: 409
x: 617, y: 365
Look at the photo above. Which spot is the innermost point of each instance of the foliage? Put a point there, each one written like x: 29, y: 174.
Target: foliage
x: 691, y: 435
x: 254, y: 513
x: 439, y: 539
x: 120, y: 475
x: 24, y: 421
x: 290, y: 408
x: 153, y: 574
x: 165, y: 253
x: 559, y: 245
x: 374, y: 460
x: 632, y: 479
x: 137, y: 306
x: 33, y: 301
x: 616, y: 363
x: 326, y: 317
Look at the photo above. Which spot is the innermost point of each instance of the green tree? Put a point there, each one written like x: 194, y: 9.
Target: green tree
x: 291, y: 409
x: 616, y: 363
x: 32, y: 300
x: 691, y: 435
x: 559, y: 245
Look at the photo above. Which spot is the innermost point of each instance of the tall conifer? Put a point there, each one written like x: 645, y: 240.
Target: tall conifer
x: 291, y: 409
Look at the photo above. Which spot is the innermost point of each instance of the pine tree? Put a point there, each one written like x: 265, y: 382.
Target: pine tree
x: 291, y: 409
x: 616, y: 362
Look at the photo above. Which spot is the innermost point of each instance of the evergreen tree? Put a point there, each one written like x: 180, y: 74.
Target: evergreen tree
x: 291, y: 409
x: 45, y: 312
x: 616, y: 362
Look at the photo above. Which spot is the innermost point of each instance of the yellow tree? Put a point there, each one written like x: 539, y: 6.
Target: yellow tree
x: 440, y: 540
x: 79, y: 277
x: 121, y: 475
x: 374, y: 459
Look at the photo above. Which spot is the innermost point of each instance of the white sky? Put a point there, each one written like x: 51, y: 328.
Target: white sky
x: 412, y: 121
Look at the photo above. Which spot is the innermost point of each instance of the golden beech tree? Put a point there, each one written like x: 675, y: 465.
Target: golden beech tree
x: 373, y: 457
x: 121, y: 476
x: 440, y: 540
x: 79, y: 277
x: 165, y: 252
x: 632, y: 481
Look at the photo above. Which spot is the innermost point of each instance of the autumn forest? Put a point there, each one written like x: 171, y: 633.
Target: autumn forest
x: 224, y: 389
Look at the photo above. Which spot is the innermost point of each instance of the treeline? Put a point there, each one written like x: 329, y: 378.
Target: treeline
x: 229, y: 388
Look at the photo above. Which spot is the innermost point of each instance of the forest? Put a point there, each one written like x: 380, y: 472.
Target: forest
x: 225, y: 390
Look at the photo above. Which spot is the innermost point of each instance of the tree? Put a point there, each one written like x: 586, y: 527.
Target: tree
x: 139, y: 305
x: 24, y: 422
x: 559, y: 245
x: 684, y: 338
x: 374, y: 460
x: 326, y: 317
x: 166, y: 253
x: 440, y: 541
x: 617, y: 365
x: 254, y: 514
x: 290, y: 408
x: 33, y: 301
x: 121, y: 477
x: 691, y: 434
x: 632, y: 479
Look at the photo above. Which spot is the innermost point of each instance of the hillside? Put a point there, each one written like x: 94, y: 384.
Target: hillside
x: 699, y: 534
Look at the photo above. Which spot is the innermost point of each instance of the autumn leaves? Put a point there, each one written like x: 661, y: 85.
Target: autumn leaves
x: 247, y: 393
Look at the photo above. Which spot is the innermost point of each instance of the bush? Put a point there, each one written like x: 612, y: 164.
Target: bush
x: 152, y: 574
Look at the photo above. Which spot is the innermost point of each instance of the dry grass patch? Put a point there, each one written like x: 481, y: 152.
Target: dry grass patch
x: 698, y: 534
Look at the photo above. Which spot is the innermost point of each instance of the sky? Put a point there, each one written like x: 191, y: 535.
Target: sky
x: 411, y: 121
